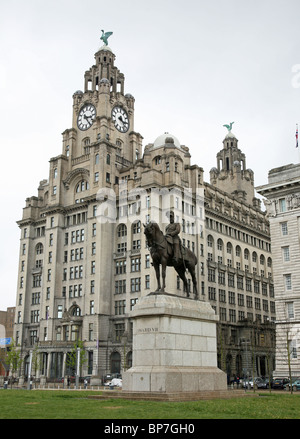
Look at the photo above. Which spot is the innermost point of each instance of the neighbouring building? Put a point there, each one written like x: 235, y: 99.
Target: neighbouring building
x: 282, y: 195
x: 84, y: 260
x: 7, y: 321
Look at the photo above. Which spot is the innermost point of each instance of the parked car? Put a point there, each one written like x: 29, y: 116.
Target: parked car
x: 109, y: 376
x: 262, y: 383
x: 295, y: 385
x: 115, y: 382
x: 248, y: 382
x: 279, y: 383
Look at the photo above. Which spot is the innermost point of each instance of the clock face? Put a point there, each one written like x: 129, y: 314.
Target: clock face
x: 120, y: 119
x: 86, y: 117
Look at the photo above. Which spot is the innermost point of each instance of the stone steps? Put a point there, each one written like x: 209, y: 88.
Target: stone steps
x: 174, y: 396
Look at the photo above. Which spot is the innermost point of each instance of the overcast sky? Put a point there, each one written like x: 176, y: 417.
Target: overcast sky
x: 191, y: 65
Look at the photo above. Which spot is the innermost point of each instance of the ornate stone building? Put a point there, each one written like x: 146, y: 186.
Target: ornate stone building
x: 283, y: 205
x: 84, y: 260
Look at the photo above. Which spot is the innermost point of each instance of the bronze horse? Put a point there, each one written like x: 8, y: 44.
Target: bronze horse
x: 162, y: 254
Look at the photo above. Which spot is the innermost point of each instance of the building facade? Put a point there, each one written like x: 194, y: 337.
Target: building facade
x: 84, y: 260
x: 283, y: 205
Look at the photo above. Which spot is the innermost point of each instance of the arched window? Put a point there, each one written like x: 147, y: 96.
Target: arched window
x: 83, y: 185
x: 246, y: 254
x: 96, y: 159
x: 39, y: 248
x: 210, y: 241
x: 115, y: 362
x: 76, y: 312
x: 220, y: 244
x: 229, y: 248
x: 238, y: 250
x: 121, y: 230
x: 136, y: 227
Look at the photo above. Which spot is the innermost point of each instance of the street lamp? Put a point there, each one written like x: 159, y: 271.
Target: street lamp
x: 77, y: 368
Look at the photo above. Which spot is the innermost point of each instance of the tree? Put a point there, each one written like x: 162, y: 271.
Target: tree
x: 285, y: 349
x: 13, y: 359
x: 72, y: 357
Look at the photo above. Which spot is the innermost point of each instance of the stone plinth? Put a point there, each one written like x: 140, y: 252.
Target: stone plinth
x: 174, y: 346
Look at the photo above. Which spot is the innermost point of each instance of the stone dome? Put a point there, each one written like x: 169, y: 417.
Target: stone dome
x: 104, y: 47
x: 166, y: 138
x: 230, y: 135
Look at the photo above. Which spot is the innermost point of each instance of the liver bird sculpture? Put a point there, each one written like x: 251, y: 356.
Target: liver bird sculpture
x: 104, y: 37
x: 229, y: 126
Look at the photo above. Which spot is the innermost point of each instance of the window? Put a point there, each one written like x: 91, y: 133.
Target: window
x: 209, y: 241
x: 120, y: 286
x: 122, y: 247
x: 135, y: 284
x: 59, y: 311
x: 92, y: 289
x: 286, y: 254
x: 282, y: 205
x: 91, y: 331
x: 284, y: 228
x: 92, y: 305
x: 290, y: 310
x: 136, y: 244
x: 37, y: 280
x: 121, y: 267
x: 288, y: 281
x: 120, y: 307
x: 82, y: 186
x: 35, y: 316
x: 135, y: 264
x: 211, y: 275
x: 122, y: 230
x: 231, y: 297
x: 136, y: 227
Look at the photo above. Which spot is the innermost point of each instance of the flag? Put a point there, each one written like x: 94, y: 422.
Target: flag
x: 296, y: 136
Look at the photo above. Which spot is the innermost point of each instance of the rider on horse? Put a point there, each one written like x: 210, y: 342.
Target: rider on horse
x: 172, y: 237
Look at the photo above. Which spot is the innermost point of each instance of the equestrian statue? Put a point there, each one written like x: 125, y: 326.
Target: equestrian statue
x: 167, y: 250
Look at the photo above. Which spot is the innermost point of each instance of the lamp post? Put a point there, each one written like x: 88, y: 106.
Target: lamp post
x: 245, y: 342
x: 77, y: 368
x: 29, y: 370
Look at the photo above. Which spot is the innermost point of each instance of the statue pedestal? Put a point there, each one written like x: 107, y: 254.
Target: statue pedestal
x: 174, y: 346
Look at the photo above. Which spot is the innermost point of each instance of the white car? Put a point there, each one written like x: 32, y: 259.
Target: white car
x: 117, y: 382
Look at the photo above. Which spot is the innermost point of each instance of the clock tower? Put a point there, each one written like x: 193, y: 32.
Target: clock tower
x: 103, y: 116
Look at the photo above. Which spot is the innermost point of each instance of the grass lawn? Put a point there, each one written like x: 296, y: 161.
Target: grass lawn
x: 67, y: 404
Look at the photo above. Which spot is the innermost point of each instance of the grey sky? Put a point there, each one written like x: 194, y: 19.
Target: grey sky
x: 192, y: 66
